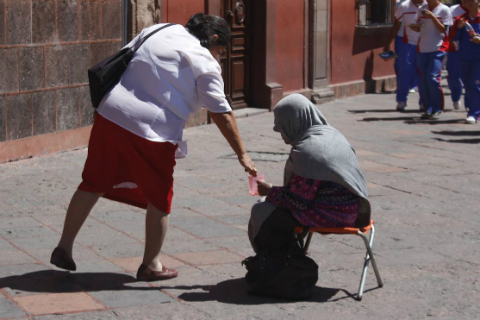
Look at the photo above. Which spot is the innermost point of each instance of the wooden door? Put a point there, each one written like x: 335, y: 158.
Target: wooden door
x: 234, y: 62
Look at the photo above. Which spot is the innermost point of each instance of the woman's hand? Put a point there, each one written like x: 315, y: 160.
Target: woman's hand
x: 263, y: 187
x: 228, y: 127
x: 248, y: 164
x: 461, y: 23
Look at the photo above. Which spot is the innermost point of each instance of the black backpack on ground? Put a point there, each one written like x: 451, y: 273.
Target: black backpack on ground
x: 291, y: 275
x: 280, y: 269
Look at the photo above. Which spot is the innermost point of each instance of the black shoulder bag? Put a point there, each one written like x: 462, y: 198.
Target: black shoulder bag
x: 105, y: 75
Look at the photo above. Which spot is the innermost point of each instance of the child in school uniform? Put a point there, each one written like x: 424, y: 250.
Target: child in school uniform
x: 434, y: 20
x: 469, y: 55
x: 453, y: 65
x: 406, y: 41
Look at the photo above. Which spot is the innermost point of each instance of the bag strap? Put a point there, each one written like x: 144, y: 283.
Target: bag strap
x: 139, y: 43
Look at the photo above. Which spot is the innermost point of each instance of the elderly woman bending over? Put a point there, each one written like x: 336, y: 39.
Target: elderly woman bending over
x: 138, y: 132
x: 323, y: 184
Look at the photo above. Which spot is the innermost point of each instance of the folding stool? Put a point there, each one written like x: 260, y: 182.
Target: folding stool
x: 356, y: 231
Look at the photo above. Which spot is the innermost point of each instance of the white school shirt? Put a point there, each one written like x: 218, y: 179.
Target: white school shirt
x: 170, y: 77
x: 430, y: 39
x: 457, y: 11
x: 402, y: 27
x: 407, y: 13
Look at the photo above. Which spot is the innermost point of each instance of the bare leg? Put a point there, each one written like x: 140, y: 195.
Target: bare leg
x: 80, y: 206
x: 156, y: 224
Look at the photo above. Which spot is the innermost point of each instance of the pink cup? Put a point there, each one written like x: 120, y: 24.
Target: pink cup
x: 252, y: 183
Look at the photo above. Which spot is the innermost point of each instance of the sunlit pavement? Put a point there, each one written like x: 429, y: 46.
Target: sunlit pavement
x: 424, y: 186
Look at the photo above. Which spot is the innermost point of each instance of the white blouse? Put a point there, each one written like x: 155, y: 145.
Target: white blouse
x: 170, y: 77
x: 407, y: 13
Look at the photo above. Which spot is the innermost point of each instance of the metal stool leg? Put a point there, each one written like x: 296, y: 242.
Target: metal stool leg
x: 374, y: 262
x: 369, y: 256
x: 307, y: 243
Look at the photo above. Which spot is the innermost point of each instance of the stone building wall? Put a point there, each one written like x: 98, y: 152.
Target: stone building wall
x: 142, y: 14
x: 46, y: 48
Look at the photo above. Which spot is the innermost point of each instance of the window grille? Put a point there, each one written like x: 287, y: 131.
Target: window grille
x: 375, y: 12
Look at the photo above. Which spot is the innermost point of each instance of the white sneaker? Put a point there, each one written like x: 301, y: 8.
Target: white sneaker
x: 401, y: 106
x: 412, y: 90
x: 457, y: 104
x: 470, y: 120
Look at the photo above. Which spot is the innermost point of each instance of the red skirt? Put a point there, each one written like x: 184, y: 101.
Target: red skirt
x: 128, y: 168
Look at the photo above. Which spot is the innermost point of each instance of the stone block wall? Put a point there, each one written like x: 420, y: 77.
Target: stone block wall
x: 46, y: 48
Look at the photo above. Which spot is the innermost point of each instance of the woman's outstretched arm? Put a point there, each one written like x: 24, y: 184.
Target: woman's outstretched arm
x: 228, y: 127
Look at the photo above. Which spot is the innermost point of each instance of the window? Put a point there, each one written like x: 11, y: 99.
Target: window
x: 375, y: 12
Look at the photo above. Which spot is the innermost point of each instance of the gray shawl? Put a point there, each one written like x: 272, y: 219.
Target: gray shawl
x: 319, y: 151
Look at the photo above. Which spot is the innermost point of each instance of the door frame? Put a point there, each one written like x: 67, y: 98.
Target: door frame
x: 319, y: 54
x: 261, y: 28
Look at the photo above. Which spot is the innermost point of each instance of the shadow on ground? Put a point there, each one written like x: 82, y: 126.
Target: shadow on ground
x: 435, y: 122
x: 53, y: 281
x: 393, y: 110
x: 457, y: 133
x: 413, y: 120
x: 467, y: 141
x: 234, y: 291
x: 406, y: 119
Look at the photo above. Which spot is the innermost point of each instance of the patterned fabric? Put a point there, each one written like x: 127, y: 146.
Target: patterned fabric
x: 316, y: 203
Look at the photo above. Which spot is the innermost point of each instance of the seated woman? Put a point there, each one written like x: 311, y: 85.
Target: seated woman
x: 323, y: 184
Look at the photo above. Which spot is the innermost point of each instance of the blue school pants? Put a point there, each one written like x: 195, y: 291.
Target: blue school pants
x: 470, y: 73
x: 407, y: 76
x: 430, y: 66
x: 454, y: 80
x: 398, y: 48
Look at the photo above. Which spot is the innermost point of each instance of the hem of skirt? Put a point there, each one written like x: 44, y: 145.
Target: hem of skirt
x: 107, y: 195
x: 141, y: 205
x: 126, y: 201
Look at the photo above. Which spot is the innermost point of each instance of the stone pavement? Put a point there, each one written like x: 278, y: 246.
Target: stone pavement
x: 424, y: 188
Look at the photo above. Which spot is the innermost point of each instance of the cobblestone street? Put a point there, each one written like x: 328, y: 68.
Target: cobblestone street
x: 423, y: 185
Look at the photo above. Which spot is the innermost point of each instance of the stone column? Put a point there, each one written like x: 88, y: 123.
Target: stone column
x: 142, y: 14
x: 319, y: 51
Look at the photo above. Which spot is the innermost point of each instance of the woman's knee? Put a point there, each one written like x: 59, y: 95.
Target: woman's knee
x: 152, y: 210
x: 261, y: 209
x: 256, y: 209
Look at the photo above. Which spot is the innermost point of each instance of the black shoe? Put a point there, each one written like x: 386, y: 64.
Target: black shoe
x: 144, y: 273
x: 61, y: 259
